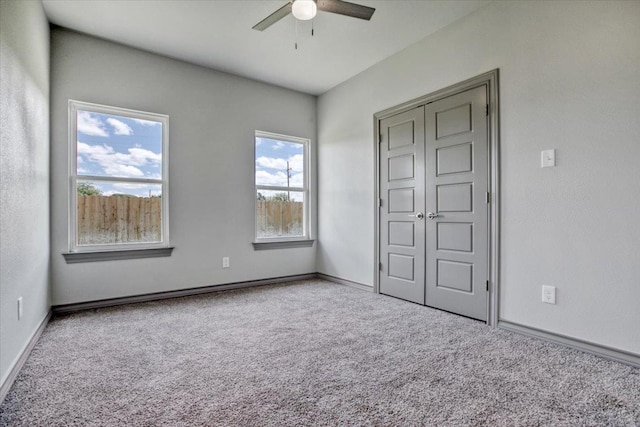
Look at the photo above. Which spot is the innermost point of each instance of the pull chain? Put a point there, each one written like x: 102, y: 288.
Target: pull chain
x: 295, y: 44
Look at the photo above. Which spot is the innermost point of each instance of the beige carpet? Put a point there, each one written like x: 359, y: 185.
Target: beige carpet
x: 307, y: 353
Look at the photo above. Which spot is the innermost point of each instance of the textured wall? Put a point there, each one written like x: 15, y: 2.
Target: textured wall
x: 24, y: 174
x: 570, y: 80
x: 212, y: 119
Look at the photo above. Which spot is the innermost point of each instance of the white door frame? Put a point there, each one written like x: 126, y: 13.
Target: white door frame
x: 490, y: 80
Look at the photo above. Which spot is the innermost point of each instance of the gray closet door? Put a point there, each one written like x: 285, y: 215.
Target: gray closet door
x: 402, y: 194
x: 457, y: 217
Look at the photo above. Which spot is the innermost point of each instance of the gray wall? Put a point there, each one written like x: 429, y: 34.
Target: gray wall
x: 569, y: 80
x: 24, y: 175
x: 212, y: 121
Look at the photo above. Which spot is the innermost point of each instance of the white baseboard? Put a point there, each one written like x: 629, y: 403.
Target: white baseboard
x: 20, y: 360
x: 111, y: 302
x: 621, y: 356
x: 346, y: 282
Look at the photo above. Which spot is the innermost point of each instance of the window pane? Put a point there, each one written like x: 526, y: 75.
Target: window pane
x: 111, y: 145
x: 118, y: 212
x: 280, y: 214
x: 279, y: 163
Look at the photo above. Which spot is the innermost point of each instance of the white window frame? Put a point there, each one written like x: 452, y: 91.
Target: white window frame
x: 74, y: 177
x: 305, y: 142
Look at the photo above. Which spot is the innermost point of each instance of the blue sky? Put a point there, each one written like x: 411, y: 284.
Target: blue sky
x: 110, y: 145
x: 271, y: 162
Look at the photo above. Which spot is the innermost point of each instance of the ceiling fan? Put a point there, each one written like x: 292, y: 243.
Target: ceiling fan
x: 307, y: 9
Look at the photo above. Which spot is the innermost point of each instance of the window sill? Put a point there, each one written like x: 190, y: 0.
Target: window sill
x: 78, y: 257
x: 283, y: 244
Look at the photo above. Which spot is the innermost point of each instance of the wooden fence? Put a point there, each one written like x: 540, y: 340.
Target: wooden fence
x: 127, y: 219
x: 279, y: 218
x: 119, y: 219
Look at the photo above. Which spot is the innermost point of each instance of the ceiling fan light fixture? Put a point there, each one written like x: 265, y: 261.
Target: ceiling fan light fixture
x: 304, y: 9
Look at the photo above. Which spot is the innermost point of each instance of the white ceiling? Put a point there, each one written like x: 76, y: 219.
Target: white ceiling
x: 218, y: 34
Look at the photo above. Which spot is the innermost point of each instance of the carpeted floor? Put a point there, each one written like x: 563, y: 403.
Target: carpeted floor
x: 307, y: 353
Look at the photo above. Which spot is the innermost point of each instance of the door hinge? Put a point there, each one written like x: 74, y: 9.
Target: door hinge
x: 379, y: 203
x: 488, y: 197
x: 487, y: 109
x: 380, y: 138
x: 487, y: 286
x: 380, y: 266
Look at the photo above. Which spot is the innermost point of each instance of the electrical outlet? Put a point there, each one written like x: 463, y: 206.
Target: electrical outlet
x: 549, y: 294
x: 19, y: 308
x: 225, y: 262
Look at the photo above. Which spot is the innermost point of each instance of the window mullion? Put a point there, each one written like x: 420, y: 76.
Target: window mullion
x: 119, y: 179
x: 274, y: 188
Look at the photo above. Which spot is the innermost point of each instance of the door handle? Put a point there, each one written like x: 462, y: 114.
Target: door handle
x: 419, y: 215
x: 432, y: 215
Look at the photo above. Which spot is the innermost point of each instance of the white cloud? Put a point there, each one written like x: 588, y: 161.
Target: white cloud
x: 296, y: 162
x: 123, y: 170
x: 146, y: 122
x: 278, y: 145
x: 296, y: 180
x: 121, y: 164
x: 271, y: 163
x: 279, y: 179
x: 141, y: 156
x: 119, y: 128
x: 94, y: 151
x: 131, y: 186
x: 89, y: 124
x: 266, y: 178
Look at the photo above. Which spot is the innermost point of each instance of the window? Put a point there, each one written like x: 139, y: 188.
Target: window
x: 282, y: 188
x: 118, y: 179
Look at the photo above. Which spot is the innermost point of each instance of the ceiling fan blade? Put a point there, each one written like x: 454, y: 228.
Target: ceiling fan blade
x: 274, y: 17
x: 345, y: 8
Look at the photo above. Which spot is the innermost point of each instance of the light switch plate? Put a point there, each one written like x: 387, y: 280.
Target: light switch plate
x: 548, y: 158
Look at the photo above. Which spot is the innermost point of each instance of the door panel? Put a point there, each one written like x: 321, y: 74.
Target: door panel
x: 401, y: 267
x: 402, y: 193
x: 455, y: 236
x: 452, y: 121
x: 454, y: 197
x: 454, y: 159
x: 401, y: 134
x: 456, y: 185
x: 455, y: 275
x: 401, y: 233
x: 401, y: 167
x: 401, y: 200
